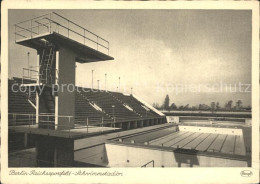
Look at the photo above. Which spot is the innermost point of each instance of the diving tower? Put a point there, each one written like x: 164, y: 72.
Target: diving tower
x: 59, y: 43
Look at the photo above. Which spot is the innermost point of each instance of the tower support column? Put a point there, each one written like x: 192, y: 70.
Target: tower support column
x: 65, y: 95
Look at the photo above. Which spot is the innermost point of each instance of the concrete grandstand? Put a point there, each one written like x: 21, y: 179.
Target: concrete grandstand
x: 91, y: 105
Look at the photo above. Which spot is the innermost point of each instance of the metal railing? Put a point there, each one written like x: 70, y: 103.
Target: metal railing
x: 34, y: 75
x: 47, y: 121
x: 53, y: 22
x: 21, y: 119
x: 48, y: 115
x: 90, y: 122
x: 30, y: 74
x: 151, y: 162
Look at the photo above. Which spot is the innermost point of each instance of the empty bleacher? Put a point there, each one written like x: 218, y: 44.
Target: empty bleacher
x: 18, y: 101
x: 91, y: 106
x: 30, y: 96
x: 19, y: 106
x: 85, y: 113
x: 134, y: 104
x: 110, y: 105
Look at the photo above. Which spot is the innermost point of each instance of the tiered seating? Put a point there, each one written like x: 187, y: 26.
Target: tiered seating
x: 106, y: 101
x: 109, y: 105
x: 32, y: 95
x: 151, y: 112
x: 24, y: 81
x: 134, y: 104
x: 85, y: 112
x: 18, y: 104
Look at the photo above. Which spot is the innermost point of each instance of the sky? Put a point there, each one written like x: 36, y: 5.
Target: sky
x: 194, y: 56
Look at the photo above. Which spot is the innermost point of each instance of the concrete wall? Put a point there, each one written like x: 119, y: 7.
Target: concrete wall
x: 94, y: 155
x: 65, y: 97
x: 173, y: 119
x: 53, y: 151
x: 230, y: 131
x: 65, y: 101
x: 140, y: 124
x: 64, y: 153
x: 42, y: 104
x: 248, y: 122
x: 129, y: 156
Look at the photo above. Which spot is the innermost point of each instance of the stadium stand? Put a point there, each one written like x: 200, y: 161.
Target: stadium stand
x: 92, y: 106
x: 135, y: 104
x: 84, y: 111
x: 20, y: 103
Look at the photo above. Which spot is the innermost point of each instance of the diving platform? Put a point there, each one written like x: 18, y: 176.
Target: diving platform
x: 85, y: 53
x: 53, y: 28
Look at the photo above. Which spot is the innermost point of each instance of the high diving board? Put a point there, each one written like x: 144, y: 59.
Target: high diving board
x: 85, y: 53
x: 53, y: 28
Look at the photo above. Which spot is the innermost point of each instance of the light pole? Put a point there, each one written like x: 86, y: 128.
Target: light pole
x: 113, y: 114
x: 98, y: 84
x: 105, y: 82
x: 119, y: 84
x: 92, y: 78
x: 28, y: 59
x: 28, y: 64
x: 131, y: 91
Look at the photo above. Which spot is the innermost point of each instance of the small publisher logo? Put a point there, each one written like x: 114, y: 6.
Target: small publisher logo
x: 246, y: 173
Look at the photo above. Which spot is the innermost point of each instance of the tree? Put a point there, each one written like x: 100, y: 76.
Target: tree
x: 156, y: 105
x: 228, y: 105
x: 200, y: 107
x: 194, y: 107
x: 173, y: 106
x: 186, y: 107
x: 217, y: 106
x: 204, y: 107
x: 213, y: 106
x: 181, y: 107
x: 238, y: 105
x: 166, y: 102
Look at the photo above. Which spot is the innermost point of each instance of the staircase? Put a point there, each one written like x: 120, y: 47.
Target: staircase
x: 49, y: 100
x: 47, y: 119
x: 47, y: 68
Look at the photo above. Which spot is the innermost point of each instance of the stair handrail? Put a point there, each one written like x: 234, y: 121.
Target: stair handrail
x: 152, y: 161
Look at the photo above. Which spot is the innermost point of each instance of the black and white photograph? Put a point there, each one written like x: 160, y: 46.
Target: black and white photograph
x: 141, y: 88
